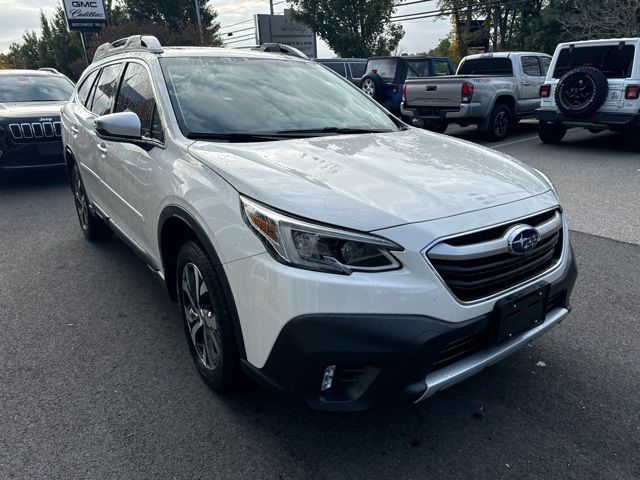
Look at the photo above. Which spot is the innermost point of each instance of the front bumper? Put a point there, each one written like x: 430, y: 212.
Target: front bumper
x: 596, y: 120
x: 383, y: 358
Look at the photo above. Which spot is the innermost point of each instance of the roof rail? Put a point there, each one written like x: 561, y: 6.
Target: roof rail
x: 49, y: 69
x: 276, y: 48
x: 147, y: 43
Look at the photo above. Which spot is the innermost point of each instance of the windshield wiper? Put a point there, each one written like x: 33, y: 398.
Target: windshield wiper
x: 333, y: 130
x: 237, y: 136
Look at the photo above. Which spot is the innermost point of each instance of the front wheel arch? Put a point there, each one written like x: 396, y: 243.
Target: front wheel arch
x: 175, y: 227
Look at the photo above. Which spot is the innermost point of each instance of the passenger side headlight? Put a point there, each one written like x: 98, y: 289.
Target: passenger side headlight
x: 316, y: 247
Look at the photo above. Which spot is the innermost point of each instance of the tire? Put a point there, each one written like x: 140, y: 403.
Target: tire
x: 207, y: 322
x: 437, y: 127
x: 500, y: 123
x: 551, y: 133
x: 372, y: 86
x: 581, y: 92
x: 633, y: 139
x: 93, y: 227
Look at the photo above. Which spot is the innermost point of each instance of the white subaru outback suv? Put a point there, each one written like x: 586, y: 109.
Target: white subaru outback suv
x: 593, y: 84
x: 312, y: 240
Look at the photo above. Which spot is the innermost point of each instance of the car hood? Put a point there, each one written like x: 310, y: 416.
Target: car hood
x: 30, y: 110
x: 372, y: 181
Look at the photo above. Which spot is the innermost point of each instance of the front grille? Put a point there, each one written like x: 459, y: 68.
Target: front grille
x: 479, y: 265
x: 30, y: 131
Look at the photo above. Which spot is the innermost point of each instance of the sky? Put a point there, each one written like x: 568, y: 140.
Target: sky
x: 16, y: 16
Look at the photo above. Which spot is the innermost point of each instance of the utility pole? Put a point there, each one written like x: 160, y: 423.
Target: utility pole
x: 271, y: 7
x: 199, y: 21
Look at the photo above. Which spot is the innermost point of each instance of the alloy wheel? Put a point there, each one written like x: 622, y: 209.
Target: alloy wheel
x: 82, y: 206
x: 369, y: 87
x: 200, y: 317
x: 501, y: 124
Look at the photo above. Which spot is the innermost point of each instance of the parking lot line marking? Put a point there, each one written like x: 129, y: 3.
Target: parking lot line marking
x: 506, y: 144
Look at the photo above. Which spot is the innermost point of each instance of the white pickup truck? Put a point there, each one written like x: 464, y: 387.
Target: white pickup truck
x: 491, y: 90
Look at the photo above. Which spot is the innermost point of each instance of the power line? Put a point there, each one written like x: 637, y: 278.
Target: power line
x: 236, y: 31
x: 239, y: 23
x: 442, y: 12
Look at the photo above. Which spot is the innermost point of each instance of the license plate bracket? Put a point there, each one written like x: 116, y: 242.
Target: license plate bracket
x: 521, y: 312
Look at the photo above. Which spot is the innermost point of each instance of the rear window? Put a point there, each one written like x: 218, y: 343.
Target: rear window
x: 418, y: 68
x: 385, y: 67
x: 486, y: 66
x: 612, y: 60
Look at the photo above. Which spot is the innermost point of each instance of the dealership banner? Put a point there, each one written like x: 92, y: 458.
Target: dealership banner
x: 85, y: 15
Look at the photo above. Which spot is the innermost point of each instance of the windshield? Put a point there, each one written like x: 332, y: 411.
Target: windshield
x: 34, y: 88
x: 228, y: 95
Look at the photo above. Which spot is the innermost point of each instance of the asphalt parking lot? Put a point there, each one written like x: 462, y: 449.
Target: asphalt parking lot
x: 96, y: 379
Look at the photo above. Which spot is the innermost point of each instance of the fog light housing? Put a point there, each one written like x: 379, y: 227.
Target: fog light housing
x: 327, y: 379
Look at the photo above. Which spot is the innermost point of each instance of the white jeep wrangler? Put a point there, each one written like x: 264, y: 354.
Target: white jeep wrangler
x: 593, y: 84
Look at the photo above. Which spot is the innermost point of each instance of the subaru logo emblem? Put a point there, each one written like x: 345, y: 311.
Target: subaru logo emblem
x: 522, y: 239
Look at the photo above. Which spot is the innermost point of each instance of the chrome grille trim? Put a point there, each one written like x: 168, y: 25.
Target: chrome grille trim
x: 444, y: 251
x: 483, y: 278
x: 48, y: 129
x: 26, y: 130
x: 35, y: 130
x: 16, y: 132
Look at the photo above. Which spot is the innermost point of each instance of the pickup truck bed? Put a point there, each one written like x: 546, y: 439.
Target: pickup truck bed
x: 493, y: 101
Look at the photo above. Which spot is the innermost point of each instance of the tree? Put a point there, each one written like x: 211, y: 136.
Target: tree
x: 352, y: 28
x: 603, y: 19
x: 176, y: 14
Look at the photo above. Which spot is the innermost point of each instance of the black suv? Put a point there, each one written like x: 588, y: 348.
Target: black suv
x: 350, y: 68
x: 30, y: 103
x: 384, y: 77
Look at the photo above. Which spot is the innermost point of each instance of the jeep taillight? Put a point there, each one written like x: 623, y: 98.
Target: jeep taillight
x: 404, y: 92
x: 632, y: 92
x: 545, y: 91
x: 467, y: 92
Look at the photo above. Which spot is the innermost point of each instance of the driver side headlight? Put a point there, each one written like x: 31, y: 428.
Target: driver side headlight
x: 316, y: 247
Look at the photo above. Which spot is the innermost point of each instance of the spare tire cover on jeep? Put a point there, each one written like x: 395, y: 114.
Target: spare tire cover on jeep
x: 581, y: 92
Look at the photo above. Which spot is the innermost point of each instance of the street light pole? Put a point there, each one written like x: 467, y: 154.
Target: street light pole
x: 199, y: 21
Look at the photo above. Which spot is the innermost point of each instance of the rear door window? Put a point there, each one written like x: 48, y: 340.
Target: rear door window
x: 614, y: 61
x: 136, y: 95
x: 85, y: 88
x: 418, y: 68
x: 357, y: 69
x: 545, y: 62
x: 106, y: 89
x: 487, y: 66
x: 385, y: 67
x: 531, y: 66
x: 336, y: 67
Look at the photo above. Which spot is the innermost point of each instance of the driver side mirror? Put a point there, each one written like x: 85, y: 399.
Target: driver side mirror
x: 119, y: 127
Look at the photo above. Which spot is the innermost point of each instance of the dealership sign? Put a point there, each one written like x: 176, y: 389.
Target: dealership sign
x: 85, y: 15
x: 283, y: 29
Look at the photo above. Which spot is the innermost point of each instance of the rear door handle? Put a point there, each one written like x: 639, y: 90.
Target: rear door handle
x: 526, y: 84
x: 102, y: 147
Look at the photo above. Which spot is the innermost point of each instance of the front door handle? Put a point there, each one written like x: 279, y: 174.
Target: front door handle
x: 102, y: 147
x: 74, y: 129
